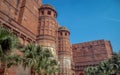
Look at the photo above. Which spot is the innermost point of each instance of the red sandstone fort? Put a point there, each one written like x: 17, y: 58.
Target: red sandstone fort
x: 35, y: 22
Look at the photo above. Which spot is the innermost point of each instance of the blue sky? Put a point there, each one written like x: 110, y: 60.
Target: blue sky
x: 90, y: 20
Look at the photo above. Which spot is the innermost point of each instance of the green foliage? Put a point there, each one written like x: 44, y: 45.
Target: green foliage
x: 40, y: 59
x: 8, y: 40
x: 107, y: 67
x: 8, y: 43
x: 14, y: 60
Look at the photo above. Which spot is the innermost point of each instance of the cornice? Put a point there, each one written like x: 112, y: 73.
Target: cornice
x: 9, y: 22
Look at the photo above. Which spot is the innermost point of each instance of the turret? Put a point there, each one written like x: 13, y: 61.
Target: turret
x: 64, y: 51
x: 47, y: 30
x: 64, y: 42
x: 48, y: 10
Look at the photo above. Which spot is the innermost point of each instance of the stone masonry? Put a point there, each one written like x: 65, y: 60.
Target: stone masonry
x: 33, y: 21
x: 90, y: 54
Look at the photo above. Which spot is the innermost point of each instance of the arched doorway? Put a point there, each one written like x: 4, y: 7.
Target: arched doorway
x: 81, y: 74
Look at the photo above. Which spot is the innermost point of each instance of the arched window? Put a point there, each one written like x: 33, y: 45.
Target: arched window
x: 49, y: 12
x: 65, y: 34
x: 42, y: 12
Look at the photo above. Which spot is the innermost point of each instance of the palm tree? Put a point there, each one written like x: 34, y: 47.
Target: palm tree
x: 45, y: 59
x: 37, y: 58
x: 108, y: 67
x: 103, y: 68
x: 91, y: 71
x: 114, y: 63
x: 8, y: 41
x: 53, y: 67
x: 29, y: 58
x: 118, y: 55
x: 87, y: 71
